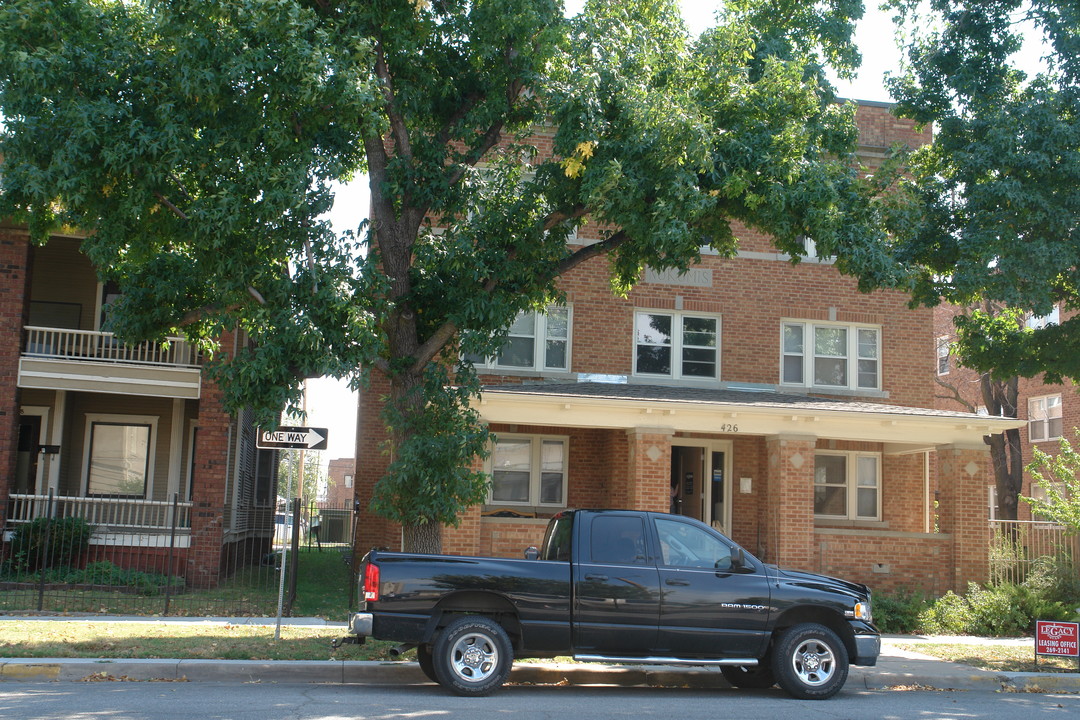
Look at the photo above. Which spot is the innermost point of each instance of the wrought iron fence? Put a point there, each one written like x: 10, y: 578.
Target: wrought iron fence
x: 1018, y: 546
x: 62, y: 554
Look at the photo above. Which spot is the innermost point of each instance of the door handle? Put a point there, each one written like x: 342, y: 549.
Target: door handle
x: 681, y: 583
x: 596, y: 577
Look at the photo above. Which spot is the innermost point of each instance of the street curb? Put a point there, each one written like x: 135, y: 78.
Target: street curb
x: 526, y: 673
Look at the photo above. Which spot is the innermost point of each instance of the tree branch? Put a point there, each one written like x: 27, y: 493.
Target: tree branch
x: 954, y: 394
x: 176, y: 211
x: 393, y: 112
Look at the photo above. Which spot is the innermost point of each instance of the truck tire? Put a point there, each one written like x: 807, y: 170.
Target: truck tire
x: 751, y: 677
x: 810, y: 662
x: 472, y: 656
x: 427, y: 665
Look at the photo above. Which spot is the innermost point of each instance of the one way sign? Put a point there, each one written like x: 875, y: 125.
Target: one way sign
x: 293, y: 438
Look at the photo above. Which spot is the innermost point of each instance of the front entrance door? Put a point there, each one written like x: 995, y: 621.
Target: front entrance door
x: 701, y: 483
x: 26, y: 463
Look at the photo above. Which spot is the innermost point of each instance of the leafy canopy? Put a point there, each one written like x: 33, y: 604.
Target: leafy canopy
x: 195, y: 142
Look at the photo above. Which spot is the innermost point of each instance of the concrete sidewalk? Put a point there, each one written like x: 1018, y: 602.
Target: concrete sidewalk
x: 896, y: 667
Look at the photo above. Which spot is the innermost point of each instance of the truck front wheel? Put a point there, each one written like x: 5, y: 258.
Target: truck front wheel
x: 810, y: 662
x: 472, y: 656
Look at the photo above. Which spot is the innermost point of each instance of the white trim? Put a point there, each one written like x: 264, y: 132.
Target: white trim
x: 678, y: 320
x: 116, y: 419
x: 710, y: 446
x: 851, y: 358
x: 536, y: 443
x: 176, y: 446
x: 57, y: 436
x: 1044, y: 421
x: 851, y: 483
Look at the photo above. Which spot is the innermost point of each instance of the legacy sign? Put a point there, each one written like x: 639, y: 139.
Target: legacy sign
x: 292, y: 438
x: 1057, y: 638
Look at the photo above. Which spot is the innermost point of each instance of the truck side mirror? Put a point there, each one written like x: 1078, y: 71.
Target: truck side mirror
x: 531, y: 553
x: 738, y: 559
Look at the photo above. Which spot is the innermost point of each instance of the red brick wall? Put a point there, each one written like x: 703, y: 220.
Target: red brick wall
x: 790, y: 513
x: 888, y: 560
x: 14, y: 295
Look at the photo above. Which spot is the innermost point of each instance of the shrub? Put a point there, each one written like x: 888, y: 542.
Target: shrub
x: 898, y: 612
x: 68, y: 538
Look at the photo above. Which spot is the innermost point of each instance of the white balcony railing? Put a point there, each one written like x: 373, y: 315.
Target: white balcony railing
x: 113, y: 514
x: 104, y: 347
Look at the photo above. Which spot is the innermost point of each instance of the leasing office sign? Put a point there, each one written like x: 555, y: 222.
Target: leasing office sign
x: 1061, y: 639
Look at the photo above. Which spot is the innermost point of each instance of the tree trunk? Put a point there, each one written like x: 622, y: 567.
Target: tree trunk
x: 1000, y: 398
x: 426, y: 538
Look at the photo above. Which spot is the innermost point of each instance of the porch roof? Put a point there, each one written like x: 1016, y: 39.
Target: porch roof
x: 735, y: 412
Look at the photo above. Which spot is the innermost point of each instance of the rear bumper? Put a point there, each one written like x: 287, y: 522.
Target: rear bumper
x: 361, y: 624
x: 867, y: 649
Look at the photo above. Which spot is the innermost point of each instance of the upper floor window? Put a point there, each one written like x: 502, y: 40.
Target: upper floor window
x: 847, y: 485
x: 536, y: 341
x: 1038, y: 322
x: 1044, y: 418
x: 831, y: 355
x: 943, y: 350
x: 676, y: 345
x: 529, y: 470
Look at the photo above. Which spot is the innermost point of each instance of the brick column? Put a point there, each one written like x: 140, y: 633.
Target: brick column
x: 964, y: 473
x: 209, y: 481
x: 14, y: 305
x: 649, y: 479
x: 370, y: 530
x: 789, y: 516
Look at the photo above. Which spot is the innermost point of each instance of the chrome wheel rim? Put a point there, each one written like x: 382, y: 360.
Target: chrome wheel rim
x: 814, y: 662
x: 474, y: 657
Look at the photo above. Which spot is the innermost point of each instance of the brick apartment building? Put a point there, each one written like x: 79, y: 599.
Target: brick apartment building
x: 774, y: 402
x: 340, y: 490
x: 132, y: 438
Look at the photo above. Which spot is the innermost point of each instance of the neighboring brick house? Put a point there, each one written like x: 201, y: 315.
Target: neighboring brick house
x: 116, y: 433
x: 1049, y: 411
x: 773, y: 401
x: 340, y: 489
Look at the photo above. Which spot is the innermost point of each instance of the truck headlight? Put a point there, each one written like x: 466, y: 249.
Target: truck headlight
x: 862, y: 612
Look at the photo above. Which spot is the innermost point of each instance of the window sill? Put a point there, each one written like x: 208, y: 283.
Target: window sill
x: 851, y: 524
x: 820, y: 390
x: 518, y: 512
x: 555, y: 375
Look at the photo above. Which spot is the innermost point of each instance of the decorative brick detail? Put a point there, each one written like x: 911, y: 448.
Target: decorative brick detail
x: 649, y: 477
x: 964, y: 474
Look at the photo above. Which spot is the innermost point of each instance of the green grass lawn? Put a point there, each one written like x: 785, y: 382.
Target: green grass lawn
x: 1005, y: 658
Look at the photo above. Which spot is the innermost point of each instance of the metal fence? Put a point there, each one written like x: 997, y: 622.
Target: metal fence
x: 57, y: 555
x: 1017, y: 547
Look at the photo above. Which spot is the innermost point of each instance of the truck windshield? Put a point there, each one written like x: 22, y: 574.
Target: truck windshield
x: 557, y: 539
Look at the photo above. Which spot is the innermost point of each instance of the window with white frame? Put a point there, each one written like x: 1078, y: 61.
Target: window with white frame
x: 830, y: 355
x: 943, y: 350
x: 847, y: 485
x: 348, y: 480
x: 529, y: 470
x: 119, y: 455
x: 1038, y: 322
x: 536, y: 341
x: 676, y: 345
x: 1044, y: 418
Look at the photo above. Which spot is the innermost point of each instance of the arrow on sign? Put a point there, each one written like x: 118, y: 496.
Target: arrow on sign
x: 293, y: 438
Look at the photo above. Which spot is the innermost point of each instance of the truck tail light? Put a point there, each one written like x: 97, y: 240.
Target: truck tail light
x: 371, y: 582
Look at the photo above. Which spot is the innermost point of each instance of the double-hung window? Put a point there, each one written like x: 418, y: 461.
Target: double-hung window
x: 529, y: 470
x: 536, y: 341
x: 847, y: 485
x: 1044, y: 418
x: 119, y: 457
x: 831, y: 355
x: 676, y: 345
x: 944, y: 348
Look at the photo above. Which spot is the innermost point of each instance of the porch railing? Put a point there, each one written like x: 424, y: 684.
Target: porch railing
x: 105, y: 347
x: 1018, y: 546
x: 112, y: 513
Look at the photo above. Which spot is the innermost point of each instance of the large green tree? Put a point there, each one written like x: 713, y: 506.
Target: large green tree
x: 994, y: 219
x: 196, y: 140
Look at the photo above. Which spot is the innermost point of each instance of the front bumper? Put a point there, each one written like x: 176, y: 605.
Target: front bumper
x: 867, y: 649
x: 361, y: 624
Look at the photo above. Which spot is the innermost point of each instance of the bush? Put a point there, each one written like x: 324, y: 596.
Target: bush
x: 106, y: 573
x: 898, y: 612
x: 68, y: 538
x: 1006, y: 609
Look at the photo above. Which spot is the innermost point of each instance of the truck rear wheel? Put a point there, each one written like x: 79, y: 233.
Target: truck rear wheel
x: 427, y: 664
x: 810, y: 662
x: 472, y: 656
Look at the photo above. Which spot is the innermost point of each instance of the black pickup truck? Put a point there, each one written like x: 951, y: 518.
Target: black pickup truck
x: 619, y: 586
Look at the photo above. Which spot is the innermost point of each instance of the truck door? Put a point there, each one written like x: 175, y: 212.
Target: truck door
x: 616, y: 587
x: 709, y: 607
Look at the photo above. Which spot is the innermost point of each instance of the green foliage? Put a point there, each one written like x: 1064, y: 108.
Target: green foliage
x: 993, y: 213
x: 68, y: 538
x: 200, y: 172
x: 1062, y: 507
x: 899, y: 611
